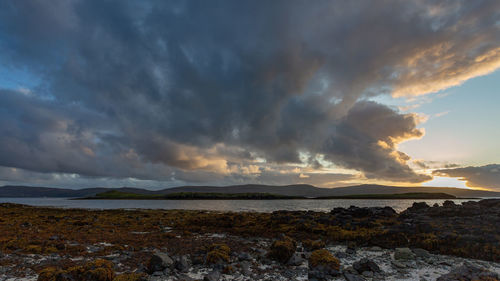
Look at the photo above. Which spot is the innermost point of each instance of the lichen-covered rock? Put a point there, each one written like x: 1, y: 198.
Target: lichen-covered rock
x: 323, y: 265
x: 49, y: 274
x: 312, y: 245
x: 403, y: 254
x: 97, y: 270
x: 218, y: 253
x: 130, y: 277
x: 282, y: 250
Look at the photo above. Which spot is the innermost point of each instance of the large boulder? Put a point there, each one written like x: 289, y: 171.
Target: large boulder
x: 159, y: 261
x: 449, y: 204
x: 218, y: 254
x: 403, y: 254
x: 366, y: 265
x: 323, y: 265
x: 417, y: 206
x: 282, y: 250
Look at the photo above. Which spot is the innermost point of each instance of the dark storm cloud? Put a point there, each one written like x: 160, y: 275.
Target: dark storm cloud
x: 487, y: 176
x: 365, y: 140
x: 45, y: 136
x: 200, y: 89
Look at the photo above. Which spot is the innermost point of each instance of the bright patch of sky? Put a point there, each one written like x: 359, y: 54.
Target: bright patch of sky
x: 17, y: 79
x: 446, y: 181
x: 462, y: 124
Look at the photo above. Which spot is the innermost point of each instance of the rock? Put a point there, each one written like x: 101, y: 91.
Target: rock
x: 403, y: 254
x: 157, y: 273
x: 398, y: 264
x: 261, y: 252
x: 323, y: 265
x: 341, y: 255
x: 244, y: 256
x: 364, y: 265
x: 312, y: 245
x: 218, y: 254
x: 353, y: 277
x: 367, y: 274
x: 375, y: 249
x: 159, y: 261
x: 421, y: 253
x: 350, y: 269
x: 417, y: 206
x: 184, y: 277
x: 212, y: 276
x: 245, y: 268
x: 295, y: 260
x: 183, y: 263
x: 385, y: 211
x: 360, y: 212
x: 351, y: 248
x: 449, y: 204
x: 469, y: 272
x: 282, y: 250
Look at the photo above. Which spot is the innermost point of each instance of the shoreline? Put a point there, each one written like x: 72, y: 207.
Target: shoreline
x: 34, y: 239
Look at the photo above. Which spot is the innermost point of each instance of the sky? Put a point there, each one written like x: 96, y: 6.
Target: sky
x: 157, y: 94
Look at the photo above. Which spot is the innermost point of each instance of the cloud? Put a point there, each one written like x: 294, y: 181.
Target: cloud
x: 191, y: 91
x: 441, y: 114
x: 366, y: 140
x: 487, y: 176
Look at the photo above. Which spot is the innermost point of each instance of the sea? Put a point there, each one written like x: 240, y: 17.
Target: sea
x: 321, y: 205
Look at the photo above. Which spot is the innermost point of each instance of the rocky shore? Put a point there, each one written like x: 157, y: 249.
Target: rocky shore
x: 449, y: 242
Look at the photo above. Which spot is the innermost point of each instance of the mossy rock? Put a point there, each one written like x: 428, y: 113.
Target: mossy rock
x: 49, y: 274
x: 323, y: 258
x: 218, y: 253
x: 130, y: 277
x: 98, y: 270
x: 312, y: 245
x: 282, y: 250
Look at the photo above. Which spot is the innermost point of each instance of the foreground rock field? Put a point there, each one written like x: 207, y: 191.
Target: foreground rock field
x: 449, y: 242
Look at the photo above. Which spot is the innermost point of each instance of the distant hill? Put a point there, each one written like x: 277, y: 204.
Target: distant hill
x: 119, y: 195
x: 312, y: 191
x: 35, y: 191
x: 287, y: 190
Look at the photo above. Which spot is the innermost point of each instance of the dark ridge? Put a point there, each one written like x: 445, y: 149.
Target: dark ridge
x: 301, y: 190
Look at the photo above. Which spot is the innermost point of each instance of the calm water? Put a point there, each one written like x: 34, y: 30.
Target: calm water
x: 222, y: 205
